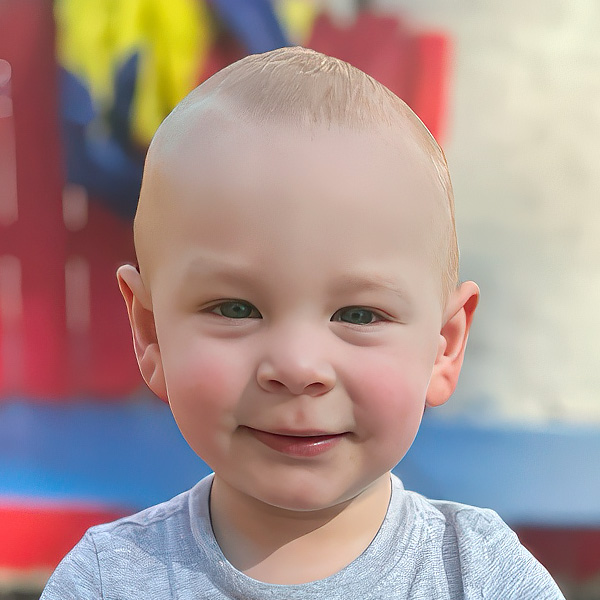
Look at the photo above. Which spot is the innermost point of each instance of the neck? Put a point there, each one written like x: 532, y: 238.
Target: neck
x: 282, y: 546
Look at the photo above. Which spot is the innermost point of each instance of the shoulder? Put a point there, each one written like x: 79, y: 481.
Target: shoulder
x: 461, y: 521
x: 154, y: 522
x: 481, y: 554
x: 128, y: 553
x: 469, y: 522
x: 463, y: 525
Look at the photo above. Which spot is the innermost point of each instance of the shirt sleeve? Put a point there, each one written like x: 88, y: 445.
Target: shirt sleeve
x: 77, y: 577
x: 501, y: 568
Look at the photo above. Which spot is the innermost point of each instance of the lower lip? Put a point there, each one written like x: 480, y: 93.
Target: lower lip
x: 302, y: 446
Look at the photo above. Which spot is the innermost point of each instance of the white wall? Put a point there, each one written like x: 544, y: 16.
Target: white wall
x: 523, y: 143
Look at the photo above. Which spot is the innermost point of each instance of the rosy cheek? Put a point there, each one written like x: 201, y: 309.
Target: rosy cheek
x: 204, y: 384
x: 196, y: 369
x: 203, y: 393
x: 388, y: 397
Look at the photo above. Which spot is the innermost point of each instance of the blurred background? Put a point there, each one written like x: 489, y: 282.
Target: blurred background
x: 510, y: 90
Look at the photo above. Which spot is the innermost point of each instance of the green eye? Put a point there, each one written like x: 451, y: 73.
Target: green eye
x: 355, y: 315
x: 236, y: 309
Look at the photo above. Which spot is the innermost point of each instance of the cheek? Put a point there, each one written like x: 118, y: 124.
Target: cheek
x: 389, y: 417
x: 389, y: 398
x: 204, y: 386
x: 199, y: 377
x: 391, y: 393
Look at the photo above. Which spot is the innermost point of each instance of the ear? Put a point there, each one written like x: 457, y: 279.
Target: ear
x: 452, y: 343
x: 141, y: 318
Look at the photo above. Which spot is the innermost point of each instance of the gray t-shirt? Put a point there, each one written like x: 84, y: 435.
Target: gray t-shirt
x: 425, y: 550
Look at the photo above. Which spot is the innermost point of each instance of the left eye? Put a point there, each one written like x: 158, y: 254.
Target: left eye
x: 236, y: 309
x: 356, y: 316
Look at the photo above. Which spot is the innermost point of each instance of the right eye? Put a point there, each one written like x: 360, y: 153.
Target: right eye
x: 235, y: 309
x: 357, y: 315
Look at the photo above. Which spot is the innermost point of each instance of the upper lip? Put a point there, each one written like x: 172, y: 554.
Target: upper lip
x: 299, y: 432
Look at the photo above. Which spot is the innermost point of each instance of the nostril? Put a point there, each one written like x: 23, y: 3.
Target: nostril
x: 275, y: 386
x: 315, y: 389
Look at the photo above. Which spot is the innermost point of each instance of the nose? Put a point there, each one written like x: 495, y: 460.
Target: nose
x: 296, y: 364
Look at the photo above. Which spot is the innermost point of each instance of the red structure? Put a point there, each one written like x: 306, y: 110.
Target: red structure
x: 54, y: 345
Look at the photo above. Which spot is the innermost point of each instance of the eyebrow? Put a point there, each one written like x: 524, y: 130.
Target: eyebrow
x: 235, y: 272
x: 219, y: 269
x: 369, y: 282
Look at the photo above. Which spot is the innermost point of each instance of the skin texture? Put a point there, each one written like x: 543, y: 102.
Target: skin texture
x: 325, y: 238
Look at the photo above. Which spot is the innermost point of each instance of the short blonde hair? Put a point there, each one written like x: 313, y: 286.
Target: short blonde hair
x: 303, y: 88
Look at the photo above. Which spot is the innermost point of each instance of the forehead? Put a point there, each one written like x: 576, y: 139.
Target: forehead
x: 216, y: 153
x: 230, y: 185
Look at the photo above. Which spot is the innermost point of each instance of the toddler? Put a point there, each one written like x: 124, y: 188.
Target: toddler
x: 297, y: 304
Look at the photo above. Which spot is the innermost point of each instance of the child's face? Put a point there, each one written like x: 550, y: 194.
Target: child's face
x: 297, y: 307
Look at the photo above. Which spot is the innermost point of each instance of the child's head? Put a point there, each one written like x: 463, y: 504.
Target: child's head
x: 297, y: 89
x: 297, y: 300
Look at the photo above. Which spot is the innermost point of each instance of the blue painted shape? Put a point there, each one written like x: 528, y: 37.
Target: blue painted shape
x: 129, y: 455
x: 530, y: 476
x: 253, y: 22
x: 132, y: 455
x: 105, y: 165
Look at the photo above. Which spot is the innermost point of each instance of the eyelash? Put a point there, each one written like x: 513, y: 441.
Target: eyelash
x: 377, y: 317
x: 217, y: 309
x: 254, y: 313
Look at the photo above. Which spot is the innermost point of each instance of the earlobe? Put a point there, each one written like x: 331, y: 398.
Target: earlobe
x: 141, y: 318
x: 452, y: 343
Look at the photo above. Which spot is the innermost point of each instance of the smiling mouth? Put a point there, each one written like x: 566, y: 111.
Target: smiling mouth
x: 303, y: 445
